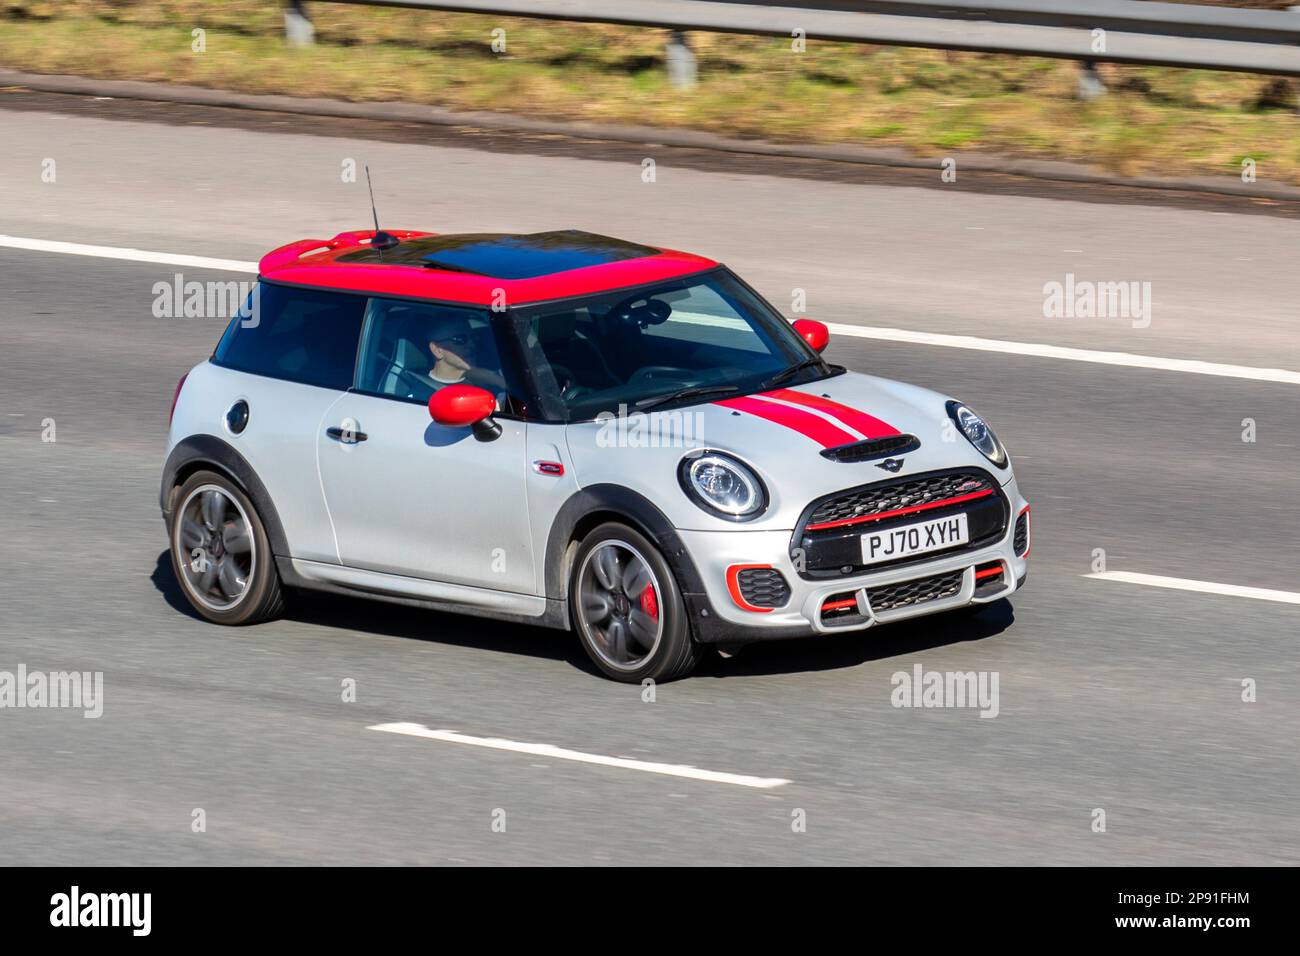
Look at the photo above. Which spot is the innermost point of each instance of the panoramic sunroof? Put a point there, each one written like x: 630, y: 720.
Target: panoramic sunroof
x: 506, y: 256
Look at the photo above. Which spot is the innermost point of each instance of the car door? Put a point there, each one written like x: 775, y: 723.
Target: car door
x: 288, y: 357
x: 408, y: 496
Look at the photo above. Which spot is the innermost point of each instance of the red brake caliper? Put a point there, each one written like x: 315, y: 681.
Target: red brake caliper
x: 650, y: 603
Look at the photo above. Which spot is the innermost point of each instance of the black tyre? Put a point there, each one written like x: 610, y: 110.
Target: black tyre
x: 220, y: 552
x: 627, y: 609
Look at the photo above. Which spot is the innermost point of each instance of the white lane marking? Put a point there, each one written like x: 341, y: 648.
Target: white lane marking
x: 1068, y: 354
x: 559, y: 753
x: 133, y: 255
x: 1036, y: 349
x: 1206, y: 587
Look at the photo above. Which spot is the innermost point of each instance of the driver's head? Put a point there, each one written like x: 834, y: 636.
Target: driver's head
x: 451, y: 340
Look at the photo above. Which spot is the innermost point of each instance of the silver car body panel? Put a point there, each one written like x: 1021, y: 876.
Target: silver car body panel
x: 422, y: 500
x: 279, y: 442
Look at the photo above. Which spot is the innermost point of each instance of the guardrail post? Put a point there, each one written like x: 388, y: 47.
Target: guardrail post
x: 1295, y: 84
x: 1090, y: 85
x: 682, y: 69
x: 298, y: 29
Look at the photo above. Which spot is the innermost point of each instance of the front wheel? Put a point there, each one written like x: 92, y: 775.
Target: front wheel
x: 627, y: 609
x: 221, y: 554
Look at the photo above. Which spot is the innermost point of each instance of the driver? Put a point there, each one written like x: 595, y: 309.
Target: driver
x: 452, y: 343
x: 455, y: 352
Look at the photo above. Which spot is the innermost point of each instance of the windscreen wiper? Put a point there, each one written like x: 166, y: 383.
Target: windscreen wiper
x: 788, y: 373
x: 691, y: 391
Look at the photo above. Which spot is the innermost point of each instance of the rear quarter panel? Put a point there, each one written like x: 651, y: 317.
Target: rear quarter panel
x: 279, y: 443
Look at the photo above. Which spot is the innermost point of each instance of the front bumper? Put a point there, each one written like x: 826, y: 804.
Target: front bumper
x: 717, y: 617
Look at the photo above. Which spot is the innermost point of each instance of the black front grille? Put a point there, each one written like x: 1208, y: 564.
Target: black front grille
x: 873, y: 448
x: 891, y: 597
x: 887, y: 496
x: 828, y: 540
x: 1021, y: 540
x: 763, y: 587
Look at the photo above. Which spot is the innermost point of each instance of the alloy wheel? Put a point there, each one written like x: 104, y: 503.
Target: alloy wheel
x: 619, y: 605
x: 215, y: 547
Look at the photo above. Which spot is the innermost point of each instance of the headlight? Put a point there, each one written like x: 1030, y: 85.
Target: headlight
x: 722, y: 486
x: 978, y: 433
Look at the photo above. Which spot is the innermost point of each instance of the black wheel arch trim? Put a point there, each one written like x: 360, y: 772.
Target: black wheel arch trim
x: 643, y: 515
x: 638, y: 511
x: 212, y: 452
x: 707, y: 627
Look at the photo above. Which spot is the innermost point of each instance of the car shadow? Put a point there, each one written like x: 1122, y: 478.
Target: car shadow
x: 440, y: 436
x: 388, y: 619
x: 462, y: 630
x: 830, y: 652
x: 164, y: 579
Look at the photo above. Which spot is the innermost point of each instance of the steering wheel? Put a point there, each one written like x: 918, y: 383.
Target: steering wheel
x: 567, y: 381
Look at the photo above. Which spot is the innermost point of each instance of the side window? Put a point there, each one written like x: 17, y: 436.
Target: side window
x: 411, y: 349
x: 302, y: 335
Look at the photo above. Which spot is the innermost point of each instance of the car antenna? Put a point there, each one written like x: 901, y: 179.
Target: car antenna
x: 382, y: 240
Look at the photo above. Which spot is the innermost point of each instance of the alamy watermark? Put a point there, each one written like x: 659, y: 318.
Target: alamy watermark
x: 946, y: 689
x: 1085, y: 299
x: 75, y: 908
x: 82, y: 690
x: 677, y: 428
x: 180, y: 299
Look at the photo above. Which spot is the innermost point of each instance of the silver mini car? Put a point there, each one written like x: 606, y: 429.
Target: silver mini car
x: 574, y: 431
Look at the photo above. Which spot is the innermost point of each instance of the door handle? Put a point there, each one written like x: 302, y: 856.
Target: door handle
x: 339, y: 434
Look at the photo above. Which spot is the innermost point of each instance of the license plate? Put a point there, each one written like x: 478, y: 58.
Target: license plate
x: 914, y: 539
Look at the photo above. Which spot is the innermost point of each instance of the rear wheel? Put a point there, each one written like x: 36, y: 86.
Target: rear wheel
x: 220, y: 552
x: 627, y: 609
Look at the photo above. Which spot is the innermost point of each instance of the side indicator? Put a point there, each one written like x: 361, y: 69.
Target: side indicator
x: 553, y: 468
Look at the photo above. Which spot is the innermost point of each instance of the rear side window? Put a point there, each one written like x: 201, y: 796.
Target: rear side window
x: 302, y: 335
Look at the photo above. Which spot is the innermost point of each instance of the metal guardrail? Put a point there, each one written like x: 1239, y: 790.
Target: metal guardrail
x: 1119, y: 31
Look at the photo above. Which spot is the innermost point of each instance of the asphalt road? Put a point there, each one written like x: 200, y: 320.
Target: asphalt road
x: 1112, y: 696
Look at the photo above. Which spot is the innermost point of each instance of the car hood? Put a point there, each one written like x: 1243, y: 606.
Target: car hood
x: 781, y: 435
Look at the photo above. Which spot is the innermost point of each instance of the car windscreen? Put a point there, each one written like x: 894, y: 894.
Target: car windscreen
x: 699, y: 335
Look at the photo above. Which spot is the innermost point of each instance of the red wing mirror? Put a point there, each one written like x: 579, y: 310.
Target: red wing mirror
x: 459, y: 406
x: 814, y: 333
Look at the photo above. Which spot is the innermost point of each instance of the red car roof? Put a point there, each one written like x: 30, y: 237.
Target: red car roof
x: 451, y: 268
